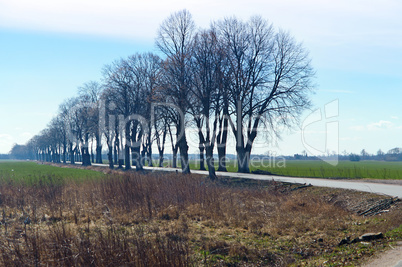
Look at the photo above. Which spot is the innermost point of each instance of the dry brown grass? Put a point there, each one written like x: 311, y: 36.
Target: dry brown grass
x: 161, y: 219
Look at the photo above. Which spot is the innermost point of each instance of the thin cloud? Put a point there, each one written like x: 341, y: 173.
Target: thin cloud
x: 139, y: 19
x: 381, y: 125
x: 121, y: 18
x: 375, y: 126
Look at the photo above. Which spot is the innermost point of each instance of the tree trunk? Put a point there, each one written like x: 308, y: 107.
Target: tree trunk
x: 202, y: 160
x: 117, y: 147
x: 137, y: 158
x: 174, y: 149
x: 72, y: 156
x: 201, y: 142
x: 222, y: 159
x: 183, y: 147
x: 115, y: 159
x: 86, y: 157
x: 99, y: 154
x: 149, y: 146
x: 64, y: 152
x: 98, y: 149
x: 174, y: 160
x: 110, y: 156
x: 143, y: 156
x: 243, y: 160
x: 161, y: 145
x: 127, y: 147
x: 221, y: 141
x: 210, y: 162
x: 120, y: 162
x: 185, y: 166
x: 134, y: 156
x: 161, y: 158
x: 120, y: 157
x: 149, y: 155
x: 127, y: 157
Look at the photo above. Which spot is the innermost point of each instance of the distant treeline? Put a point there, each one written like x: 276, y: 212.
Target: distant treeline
x: 394, y: 154
x: 4, y: 156
x: 19, y: 152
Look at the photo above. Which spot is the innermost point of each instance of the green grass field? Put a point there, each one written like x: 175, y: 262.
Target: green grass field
x: 316, y: 168
x: 344, y: 169
x: 32, y: 172
x: 320, y: 169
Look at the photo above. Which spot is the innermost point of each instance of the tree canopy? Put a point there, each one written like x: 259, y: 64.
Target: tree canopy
x: 235, y: 77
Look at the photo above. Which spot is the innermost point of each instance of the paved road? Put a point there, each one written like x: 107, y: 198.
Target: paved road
x: 378, y: 188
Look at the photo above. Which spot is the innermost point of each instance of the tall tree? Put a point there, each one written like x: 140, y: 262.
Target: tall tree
x: 90, y: 94
x: 160, y: 129
x: 207, y: 90
x: 130, y: 83
x: 117, y: 80
x: 107, y: 115
x: 271, y: 78
x: 174, y: 39
x: 149, y: 68
x: 68, y: 113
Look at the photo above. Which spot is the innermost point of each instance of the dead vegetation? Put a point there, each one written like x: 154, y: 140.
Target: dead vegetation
x: 162, y: 219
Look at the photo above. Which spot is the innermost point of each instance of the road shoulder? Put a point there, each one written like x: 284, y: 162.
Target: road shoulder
x: 389, y: 258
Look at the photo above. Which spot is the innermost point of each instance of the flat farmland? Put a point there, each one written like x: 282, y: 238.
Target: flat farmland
x: 32, y: 172
x: 321, y: 169
x: 343, y: 169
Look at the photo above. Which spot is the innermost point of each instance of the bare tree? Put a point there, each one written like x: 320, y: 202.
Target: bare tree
x: 245, y: 76
x: 364, y: 154
x: 129, y: 84
x: 108, y: 124
x: 160, y: 126
x: 90, y: 94
x: 150, y: 68
x: 174, y: 39
x: 271, y: 78
x: 118, y: 83
x: 84, y: 128
x: 207, y: 90
x: 57, y: 139
x: 68, y: 114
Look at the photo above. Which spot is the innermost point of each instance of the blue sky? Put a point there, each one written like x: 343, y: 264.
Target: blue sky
x: 49, y: 48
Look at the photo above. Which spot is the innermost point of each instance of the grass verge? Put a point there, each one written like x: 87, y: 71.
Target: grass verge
x: 166, y: 219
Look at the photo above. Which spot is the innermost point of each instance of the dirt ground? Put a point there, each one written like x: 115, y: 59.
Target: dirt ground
x: 390, y: 258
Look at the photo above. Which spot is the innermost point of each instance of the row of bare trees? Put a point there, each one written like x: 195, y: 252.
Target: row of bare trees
x: 235, y: 77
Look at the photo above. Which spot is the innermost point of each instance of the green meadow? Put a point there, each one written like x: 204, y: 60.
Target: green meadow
x: 33, y: 173
x: 321, y: 169
x: 343, y: 169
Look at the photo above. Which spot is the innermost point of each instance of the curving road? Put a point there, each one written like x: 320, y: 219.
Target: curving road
x: 393, y: 190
